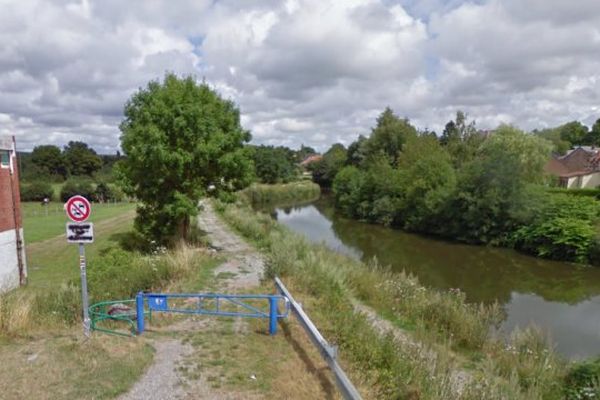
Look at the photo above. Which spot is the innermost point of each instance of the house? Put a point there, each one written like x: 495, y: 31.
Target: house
x: 311, y: 159
x: 579, y: 168
x: 13, y: 269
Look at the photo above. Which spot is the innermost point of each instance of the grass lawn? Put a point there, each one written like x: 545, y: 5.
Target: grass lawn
x: 37, y: 226
x: 54, y: 261
x: 66, y: 366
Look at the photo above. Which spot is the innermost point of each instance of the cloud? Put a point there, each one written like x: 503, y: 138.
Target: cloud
x: 302, y: 71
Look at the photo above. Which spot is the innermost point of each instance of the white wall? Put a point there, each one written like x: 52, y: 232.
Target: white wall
x: 9, y: 266
x: 589, y: 181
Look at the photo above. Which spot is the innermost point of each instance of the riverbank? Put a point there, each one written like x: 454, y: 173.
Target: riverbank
x: 562, y: 299
x: 442, y: 324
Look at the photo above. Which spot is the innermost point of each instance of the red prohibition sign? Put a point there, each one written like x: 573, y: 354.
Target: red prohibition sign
x: 78, y: 208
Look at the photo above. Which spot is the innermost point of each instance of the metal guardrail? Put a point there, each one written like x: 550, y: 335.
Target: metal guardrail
x: 328, y: 352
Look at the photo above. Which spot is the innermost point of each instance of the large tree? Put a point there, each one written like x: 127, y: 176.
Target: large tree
x: 388, y: 136
x: 182, y: 142
x: 461, y: 139
x: 573, y: 132
x: 333, y: 160
x: 81, y: 159
x: 593, y: 136
x: 273, y: 164
x: 49, y: 159
x: 492, y: 196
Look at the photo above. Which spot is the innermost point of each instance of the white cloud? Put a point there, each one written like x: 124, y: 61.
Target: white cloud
x: 302, y: 71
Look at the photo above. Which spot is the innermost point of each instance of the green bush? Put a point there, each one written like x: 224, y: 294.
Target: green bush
x: 563, y: 229
x: 577, y: 192
x: 36, y: 191
x: 119, y: 274
x: 82, y: 187
x: 583, y: 381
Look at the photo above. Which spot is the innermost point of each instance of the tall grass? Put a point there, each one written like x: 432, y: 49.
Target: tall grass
x: 429, y: 369
x: 294, y: 191
x: 116, y: 275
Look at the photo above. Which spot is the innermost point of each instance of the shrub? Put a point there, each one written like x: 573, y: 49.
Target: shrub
x: 82, y: 187
x: 583, y: 380
x: 119, y: 274
x: 268, y: 194
x: 36, y: 191
x: 564, y: 229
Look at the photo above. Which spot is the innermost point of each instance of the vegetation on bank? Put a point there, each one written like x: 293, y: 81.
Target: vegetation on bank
x: 453, y: 335
x: 466, y: 186
x: 271, y: 194
x: 115, y: 274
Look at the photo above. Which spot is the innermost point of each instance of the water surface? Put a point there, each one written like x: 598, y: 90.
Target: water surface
x: 562, y: 298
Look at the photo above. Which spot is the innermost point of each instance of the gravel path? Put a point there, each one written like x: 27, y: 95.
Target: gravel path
x: 161, y: 380
x: 243, y: 269
x: 243, y: 262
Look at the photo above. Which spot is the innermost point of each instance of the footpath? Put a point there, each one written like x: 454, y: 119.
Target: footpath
x: 241, y: 271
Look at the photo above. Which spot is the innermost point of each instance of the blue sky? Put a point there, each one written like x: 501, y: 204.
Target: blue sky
x: 302, y: 71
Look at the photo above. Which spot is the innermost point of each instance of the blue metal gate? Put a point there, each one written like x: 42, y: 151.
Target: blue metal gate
x: 226, y: 305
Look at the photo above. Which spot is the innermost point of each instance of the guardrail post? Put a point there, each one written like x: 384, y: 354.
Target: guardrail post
x: 272, y: 315
x: 139, y: 310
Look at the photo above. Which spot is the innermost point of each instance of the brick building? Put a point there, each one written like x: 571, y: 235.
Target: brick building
x: 13, y: 270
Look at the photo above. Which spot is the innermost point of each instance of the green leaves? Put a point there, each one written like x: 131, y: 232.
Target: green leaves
x: 564, y: 228
x: 468, y: 187
x: 180, y: 138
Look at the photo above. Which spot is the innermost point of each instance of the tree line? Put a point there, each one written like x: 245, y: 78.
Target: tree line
x: 76, y: 168
x: 182, y: 141
x: 466, y: 185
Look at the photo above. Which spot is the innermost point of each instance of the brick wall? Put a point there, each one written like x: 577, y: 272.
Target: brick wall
x: 10, y: 207
x: 7, y: 219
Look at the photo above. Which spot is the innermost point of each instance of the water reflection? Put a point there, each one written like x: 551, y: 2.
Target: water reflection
x: 562, y: 298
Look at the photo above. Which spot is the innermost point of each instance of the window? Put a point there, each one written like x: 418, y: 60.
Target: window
x: 4, y: 158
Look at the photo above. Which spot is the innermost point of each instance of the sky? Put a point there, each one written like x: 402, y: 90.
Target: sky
x: 312, y: 72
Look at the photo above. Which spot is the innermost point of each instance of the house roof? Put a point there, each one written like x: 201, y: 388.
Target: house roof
x: 555, y: 167
x: 582, y: 160
x: 311, y: 159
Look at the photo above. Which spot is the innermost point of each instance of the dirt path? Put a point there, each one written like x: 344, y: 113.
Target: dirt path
x: 241, y: 270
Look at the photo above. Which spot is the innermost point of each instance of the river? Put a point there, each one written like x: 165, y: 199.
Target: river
x: 561, y: 298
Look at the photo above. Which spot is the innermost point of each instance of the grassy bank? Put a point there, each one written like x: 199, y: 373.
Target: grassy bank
x: 295, y: 191
x: 43, y: 352
x: 447, y: 338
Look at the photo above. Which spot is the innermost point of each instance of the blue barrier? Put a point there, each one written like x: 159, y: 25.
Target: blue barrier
x: 226, y: 305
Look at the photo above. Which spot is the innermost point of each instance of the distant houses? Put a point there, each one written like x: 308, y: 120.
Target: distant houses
x: 311, y: 159
x: 579, y: 168
x: 304, y: 164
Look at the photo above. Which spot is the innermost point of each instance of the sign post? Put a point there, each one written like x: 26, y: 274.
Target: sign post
x: 78, y: 210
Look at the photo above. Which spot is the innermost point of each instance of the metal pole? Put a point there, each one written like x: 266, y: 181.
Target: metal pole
x: 84, y: 291
x: 272, y: 315
x: 139, y: 310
